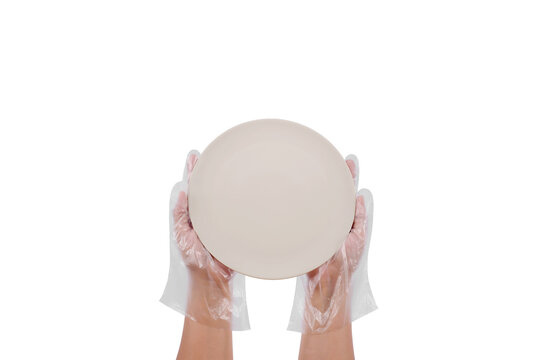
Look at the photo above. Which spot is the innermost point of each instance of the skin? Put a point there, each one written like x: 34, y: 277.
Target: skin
x: 202, y: 342
x: 333, y: 345
x: 207, y: 327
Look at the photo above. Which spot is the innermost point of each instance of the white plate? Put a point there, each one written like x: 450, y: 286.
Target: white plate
x: 271, y: 199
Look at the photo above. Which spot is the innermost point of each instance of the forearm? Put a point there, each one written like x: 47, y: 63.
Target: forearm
x: 333, y: 345
x: 201, y: 342
x: 207, y: 331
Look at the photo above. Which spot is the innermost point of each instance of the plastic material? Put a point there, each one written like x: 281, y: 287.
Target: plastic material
x: 271, y: 199
x: 199, y: 286
x: 338, y: 292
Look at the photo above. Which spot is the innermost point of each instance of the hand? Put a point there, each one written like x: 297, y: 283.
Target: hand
x: 328, y: 286
x: 210, y: 293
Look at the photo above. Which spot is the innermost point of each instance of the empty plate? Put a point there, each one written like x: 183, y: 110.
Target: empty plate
x: 271, y: 199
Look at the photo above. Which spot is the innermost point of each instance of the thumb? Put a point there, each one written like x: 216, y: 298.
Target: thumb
x: 354, y: 245
x: 191, y: 160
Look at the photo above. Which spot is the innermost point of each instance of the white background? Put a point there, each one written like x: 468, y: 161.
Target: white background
x: 100, y: 101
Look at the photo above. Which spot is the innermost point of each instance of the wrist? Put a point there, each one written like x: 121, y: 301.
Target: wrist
x: 209, y: 301
x: 327, y: 311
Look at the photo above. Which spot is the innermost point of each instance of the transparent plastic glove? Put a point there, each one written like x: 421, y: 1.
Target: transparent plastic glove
x: 338, y: 292
x: 199, y: 286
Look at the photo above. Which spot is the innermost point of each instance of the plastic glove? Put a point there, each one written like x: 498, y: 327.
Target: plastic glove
x: 338, y: 292
x: 199, y: 286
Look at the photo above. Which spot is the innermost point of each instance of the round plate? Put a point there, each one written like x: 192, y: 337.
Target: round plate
x: 271, y: 199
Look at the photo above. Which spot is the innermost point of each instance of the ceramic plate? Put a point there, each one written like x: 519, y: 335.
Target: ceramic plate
x: 271, y: 199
